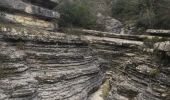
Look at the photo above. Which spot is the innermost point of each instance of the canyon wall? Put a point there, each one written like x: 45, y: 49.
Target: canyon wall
x: 39, y: 64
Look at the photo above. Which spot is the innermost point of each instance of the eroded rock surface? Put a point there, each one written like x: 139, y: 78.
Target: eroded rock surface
x: 38, y: 64
x: 46, y: 70
x: 18, y: 5
x: 109, y: 24
x: 28, y: 21
x: 138, y: 76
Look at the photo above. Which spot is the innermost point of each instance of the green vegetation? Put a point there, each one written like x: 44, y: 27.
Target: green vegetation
x: 144, y: 13
x: 20, y: 45
x: 154, y: 72
x: 76, y: 14
x: 105, y: 89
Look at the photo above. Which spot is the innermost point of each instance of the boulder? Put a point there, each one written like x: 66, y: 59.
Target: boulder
x: 163, y: 46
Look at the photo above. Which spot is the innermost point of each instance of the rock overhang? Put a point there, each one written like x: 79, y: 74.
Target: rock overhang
x: 27, y: 8
x: 50, y: 4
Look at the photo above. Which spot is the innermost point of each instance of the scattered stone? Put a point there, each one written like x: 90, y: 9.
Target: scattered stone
x: 145, y: 69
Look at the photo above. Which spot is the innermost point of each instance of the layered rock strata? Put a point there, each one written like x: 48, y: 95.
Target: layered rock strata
x: 19, y: 12
x: 47, y: 67
x: 20, y: 6
x: 137, y: 75
x: 37, y: 64
x: 28, y: 21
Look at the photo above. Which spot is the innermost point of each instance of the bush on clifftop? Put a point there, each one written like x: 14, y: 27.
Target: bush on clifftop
x: 76, y: 14
x: 145, y: 13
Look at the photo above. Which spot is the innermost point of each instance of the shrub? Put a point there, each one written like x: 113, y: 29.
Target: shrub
x: 76, y: 14
x: 145, y: 13
x: 162, y: 12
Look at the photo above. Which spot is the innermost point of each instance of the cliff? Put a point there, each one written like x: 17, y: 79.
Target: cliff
x: 38, y: 64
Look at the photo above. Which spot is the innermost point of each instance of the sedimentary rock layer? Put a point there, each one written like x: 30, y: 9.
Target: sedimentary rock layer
x: 44, y: 3
x: 18, y: 5
x: 38, y: 68
x: 28, y: 21
x: 137, y: 75
x: 24, y: 33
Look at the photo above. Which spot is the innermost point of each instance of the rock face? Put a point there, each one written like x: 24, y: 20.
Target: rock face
x: 37, y: 64
x: 137, y: 76
x: 29, y: 21
x: 163, y: 46
x: 41, y: 68
x: 109, y: 24
x: 27, y: 14
x: 50, y: 4
x: 103, y: 10
x: 158, y: 32
x: 18, y: 5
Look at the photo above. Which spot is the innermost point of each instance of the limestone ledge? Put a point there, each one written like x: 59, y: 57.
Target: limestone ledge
x: 50, y: 4
x: 28, y: 34
x: 29, y: 21
x: 18, y: 5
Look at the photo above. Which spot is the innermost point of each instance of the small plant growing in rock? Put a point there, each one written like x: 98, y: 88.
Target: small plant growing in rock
x: 20, y: 45
x: 154, y: 72
x: 105, y: 89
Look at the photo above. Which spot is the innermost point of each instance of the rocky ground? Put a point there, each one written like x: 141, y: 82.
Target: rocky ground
x: 138, y: 75
x: 38, y: 63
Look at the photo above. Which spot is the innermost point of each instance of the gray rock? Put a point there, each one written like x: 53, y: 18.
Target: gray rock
x: 18, y: 5
x: 28, y: 21
x: 50, y: 4
x: 49, y: 66
x: 145, y: 69
x: 56, y: 1
x: 163, y: 46
x: 138, y: 78
x: 109, y: 24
